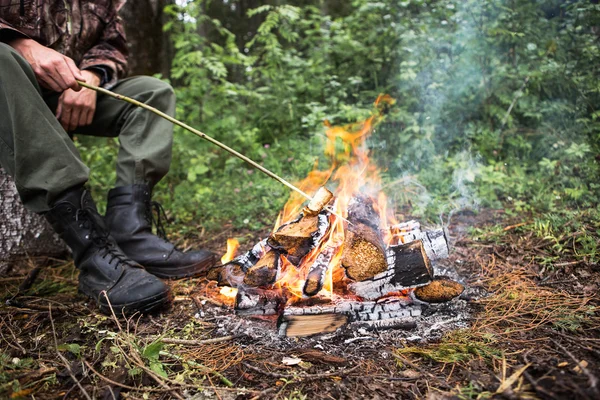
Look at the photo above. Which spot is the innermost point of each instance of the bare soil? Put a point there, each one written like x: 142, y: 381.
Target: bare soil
x: 524, y: 329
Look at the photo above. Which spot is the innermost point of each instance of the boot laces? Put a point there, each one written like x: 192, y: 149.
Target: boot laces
x: 152, y: 208
x: 99, y: 235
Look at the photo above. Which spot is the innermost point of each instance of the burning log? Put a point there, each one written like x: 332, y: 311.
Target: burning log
x: 434, y: 241
x: 402, y: 323
x: 354, y: 311
x: 440, y: 290
x: 316, y: 274
x: 257, y: 302
x: 364, y: 251
x: 297, y: 238
x: 248, y: 259
x: 264, y: 272
x: 408, y: 267
x: 232, y: 274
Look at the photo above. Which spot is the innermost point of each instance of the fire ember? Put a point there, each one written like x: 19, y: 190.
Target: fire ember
x: 340, y: 259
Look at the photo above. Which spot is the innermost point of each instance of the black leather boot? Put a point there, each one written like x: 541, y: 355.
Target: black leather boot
x: 129, y: 217
x: 102, y: 264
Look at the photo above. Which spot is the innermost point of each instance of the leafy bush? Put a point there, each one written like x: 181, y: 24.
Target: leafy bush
x: 496, y: 102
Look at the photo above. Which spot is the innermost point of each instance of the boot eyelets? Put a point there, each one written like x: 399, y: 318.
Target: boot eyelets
x: 69, y: 209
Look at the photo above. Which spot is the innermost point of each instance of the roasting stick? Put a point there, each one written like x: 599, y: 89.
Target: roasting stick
x: 205, y: 137
x: 197, y: 133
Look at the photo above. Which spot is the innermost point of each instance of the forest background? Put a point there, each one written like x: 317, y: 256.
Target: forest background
x: 496, y: 104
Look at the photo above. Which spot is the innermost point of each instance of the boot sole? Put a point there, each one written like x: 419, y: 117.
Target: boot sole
x: 143, y: 306
x: 186, y: 271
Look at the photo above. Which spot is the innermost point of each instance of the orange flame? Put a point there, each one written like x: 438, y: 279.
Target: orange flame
x: 351, y: 172
x: 232, y: 247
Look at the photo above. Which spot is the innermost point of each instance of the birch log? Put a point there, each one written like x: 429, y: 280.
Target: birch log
x: 23, y: 234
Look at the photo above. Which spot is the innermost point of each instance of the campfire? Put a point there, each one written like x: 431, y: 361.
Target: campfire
x: 343, y: 257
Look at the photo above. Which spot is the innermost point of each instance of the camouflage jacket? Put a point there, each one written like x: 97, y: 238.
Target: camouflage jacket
x: 89, y: 32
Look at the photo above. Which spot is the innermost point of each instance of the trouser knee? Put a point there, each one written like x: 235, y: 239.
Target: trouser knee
x: 11, y: 61
x: 160, y: 93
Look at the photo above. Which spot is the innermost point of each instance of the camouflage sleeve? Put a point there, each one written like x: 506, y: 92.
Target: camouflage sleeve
x: 110, y: 52
x: 8, y: 32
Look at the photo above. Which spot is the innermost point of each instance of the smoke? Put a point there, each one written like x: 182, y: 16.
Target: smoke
x: 483, y: 99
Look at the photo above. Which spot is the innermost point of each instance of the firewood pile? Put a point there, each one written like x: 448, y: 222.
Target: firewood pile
x: 320, y: 272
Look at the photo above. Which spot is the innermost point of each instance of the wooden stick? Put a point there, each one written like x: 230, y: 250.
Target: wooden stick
x: 195, y: 132
x: 205, y: 137
x: 186, y: 342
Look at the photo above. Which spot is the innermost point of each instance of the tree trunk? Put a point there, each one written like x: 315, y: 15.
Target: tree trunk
x: 23, y: 234
x: 150, y: 50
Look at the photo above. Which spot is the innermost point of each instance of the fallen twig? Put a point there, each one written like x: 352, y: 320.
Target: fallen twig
x: 63, y: 359
x: 591, y: 378
x: 510, y: 227
x: 187, y: 342
x: 295, y: 378
x: 302, y: 376
x: 17, y: 304
x: 122, y: 385
x: 421, y: 370
x: 192, y: 363
x: 35, y: 374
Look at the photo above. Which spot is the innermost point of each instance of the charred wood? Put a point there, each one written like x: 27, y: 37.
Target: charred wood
x: 317, y: 272
x: 362, y: 210
x: 361, y: 310
x: 264, y: 272
x: 297, y: 238
x: 364, y: 251
x: 248, y: 259
x: 363, y: 256
x: 408, y: 267
x: 232, y: 273
x: 435, y: 241
x: 257, y: 302
x: 402, y: 323
x: 396, y: 310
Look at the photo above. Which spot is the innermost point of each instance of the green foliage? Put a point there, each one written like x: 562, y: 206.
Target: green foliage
x: 457, y: 346
x: 496, y: 103
x: 72, y: 348
x: 151, y: 354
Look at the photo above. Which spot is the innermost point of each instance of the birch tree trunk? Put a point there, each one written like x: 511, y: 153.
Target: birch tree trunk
x: 23, y: 234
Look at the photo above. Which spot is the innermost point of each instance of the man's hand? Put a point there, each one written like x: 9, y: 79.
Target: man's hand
x: 77, y: 108
x: 52, y: 69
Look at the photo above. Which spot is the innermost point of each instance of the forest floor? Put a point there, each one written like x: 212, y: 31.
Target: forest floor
x: 534, y: 334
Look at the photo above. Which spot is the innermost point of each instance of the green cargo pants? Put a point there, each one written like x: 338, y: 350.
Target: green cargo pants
x: 40, y: 156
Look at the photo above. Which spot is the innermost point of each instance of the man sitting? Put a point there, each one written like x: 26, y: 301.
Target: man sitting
x: 45, y: 47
